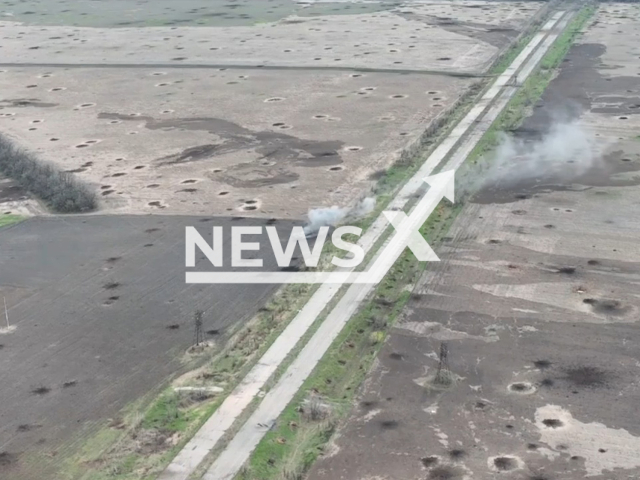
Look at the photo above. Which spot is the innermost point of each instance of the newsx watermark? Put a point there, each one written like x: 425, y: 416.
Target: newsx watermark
x: 407, y: 234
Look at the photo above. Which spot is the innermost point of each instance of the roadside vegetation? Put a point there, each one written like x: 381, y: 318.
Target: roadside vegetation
x: 6, y: 220
x: 59, y: 190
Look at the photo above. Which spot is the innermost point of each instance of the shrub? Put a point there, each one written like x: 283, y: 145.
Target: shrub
x: 59, y: 190
x: 314, y: 409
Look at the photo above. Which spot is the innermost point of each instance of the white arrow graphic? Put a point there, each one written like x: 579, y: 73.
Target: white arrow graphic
x: 407, y: 235
x: 408, y: 227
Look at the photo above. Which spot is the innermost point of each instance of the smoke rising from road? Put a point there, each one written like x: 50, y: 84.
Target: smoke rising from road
x: 331, y: 216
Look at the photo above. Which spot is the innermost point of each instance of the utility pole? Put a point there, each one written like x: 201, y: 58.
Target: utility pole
x: 198, y: 324
x: 443, y: 375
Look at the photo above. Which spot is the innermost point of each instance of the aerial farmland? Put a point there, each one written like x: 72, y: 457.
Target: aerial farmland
x: 124, y: 122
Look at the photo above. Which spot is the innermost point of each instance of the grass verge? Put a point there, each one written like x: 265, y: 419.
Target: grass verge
x: 59, y: 190
x: 289, y: 450
x: 6, y: 220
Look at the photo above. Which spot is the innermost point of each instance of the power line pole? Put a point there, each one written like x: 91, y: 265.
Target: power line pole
x: 198, y: 324
x: 444, y: 377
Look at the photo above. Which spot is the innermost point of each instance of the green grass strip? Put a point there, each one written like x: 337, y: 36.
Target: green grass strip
x: 6, y: 220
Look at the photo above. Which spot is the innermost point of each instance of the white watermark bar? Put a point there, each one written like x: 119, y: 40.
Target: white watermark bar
x: 407, y: 235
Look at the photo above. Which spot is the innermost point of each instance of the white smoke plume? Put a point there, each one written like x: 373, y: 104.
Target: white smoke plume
x: 565, y: 152
x: 332, y: 216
